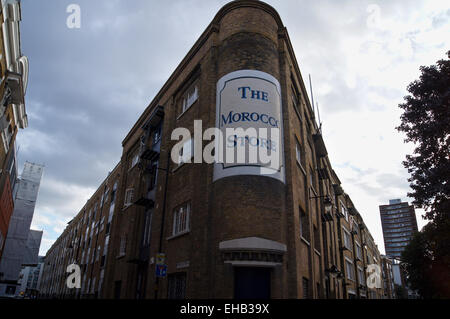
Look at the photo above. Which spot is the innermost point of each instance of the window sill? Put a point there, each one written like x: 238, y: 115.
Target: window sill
x: 179, y: 234
x: 188, y: 108
x: 178, y: 167
x: 305, y: 241
x: 297, y: 112
x: 300, y: 166
x: 131, y: 168
x: 126, y: 206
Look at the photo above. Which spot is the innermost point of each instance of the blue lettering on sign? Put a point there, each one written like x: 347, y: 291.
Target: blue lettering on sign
x: 248, y: 117
x: 268, y: 144
x: 254, y: 94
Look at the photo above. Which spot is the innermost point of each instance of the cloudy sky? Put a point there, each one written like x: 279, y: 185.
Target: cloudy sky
x: 88, y: 86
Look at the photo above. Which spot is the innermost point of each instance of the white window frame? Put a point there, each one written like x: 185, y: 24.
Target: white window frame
x: 361, y: 276
x: 346, y: 232
x: 128, y: 197
x: 186, y: 152
x: 344, y: 211
x: 351, y: 272
x: 295, y: 99
x: 359, y: 254
x: 181, y: 224
x: 190, y: 96
x: 298, y: 153
x: 123, y: 245
x: 134, y: 161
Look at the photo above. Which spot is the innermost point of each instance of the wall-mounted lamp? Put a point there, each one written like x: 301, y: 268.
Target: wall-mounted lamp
x: 333, y: 270
x: 327, y: 203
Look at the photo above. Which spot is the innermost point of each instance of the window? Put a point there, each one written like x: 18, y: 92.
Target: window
x: 154, y: 176
x: 157, y: 135
x: 102, y: 223
x: 88, y: 285
x: 359, y: 252
x: 305, y: 284
x: 311, y: 177
x: 360, y: 276
x: 93, y: 285
x: 177, y: 286
x: 186, y: 152
x: 349, y: 269
x: 295, y: 99
x: 129, y: 196
x: 97, y: 255
x: 134, y: 160
x: 317, y: 245
x: 100, y: 282
x: 189, y: 97
x: 95, y: 211
x: 304, y: 225
x: 344, y: 211
x: 354, y: 226
x: 298, y: 153
x: 123, y: 245
x: 113, y: 193
x: 181, y: 219
x: 148, y: 228
x: 105, y: 196
x: 347, y: 239
x: 351, y: 295
x: 117, y: 288
x: 105, y: 246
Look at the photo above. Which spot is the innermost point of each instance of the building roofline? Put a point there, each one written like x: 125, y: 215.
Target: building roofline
x: 212, y: 27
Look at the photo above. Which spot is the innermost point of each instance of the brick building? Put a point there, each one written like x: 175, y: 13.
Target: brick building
x: 86, y: 242
x: 388, y: 277
x: 225, y: 231
x: 14, y: 78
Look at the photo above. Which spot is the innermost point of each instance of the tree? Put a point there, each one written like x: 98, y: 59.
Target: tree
x: 426, y: 271
x: 426, y: 122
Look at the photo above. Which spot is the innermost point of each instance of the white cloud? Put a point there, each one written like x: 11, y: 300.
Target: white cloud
x: 88, y: 87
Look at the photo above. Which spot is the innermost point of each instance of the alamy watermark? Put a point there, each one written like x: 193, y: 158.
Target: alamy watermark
x: 74, y: 279
x: 374, y: 276
x: 74, y: 19
x: 238, y: 146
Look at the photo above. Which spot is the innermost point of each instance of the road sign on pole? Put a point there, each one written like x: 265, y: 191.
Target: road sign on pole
x: 161, y: 270
x: 160, y: 258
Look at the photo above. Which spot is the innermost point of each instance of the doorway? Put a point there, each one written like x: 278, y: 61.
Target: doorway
x: 252, y: 283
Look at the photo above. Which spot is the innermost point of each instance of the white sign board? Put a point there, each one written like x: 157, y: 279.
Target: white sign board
x: 249, y: 116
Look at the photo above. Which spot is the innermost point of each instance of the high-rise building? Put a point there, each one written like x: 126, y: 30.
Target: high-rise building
x: 184, y: 229
x: 399, y: 223
x: 14, y: 75
x: 30, y: 279
x: 22, y: 244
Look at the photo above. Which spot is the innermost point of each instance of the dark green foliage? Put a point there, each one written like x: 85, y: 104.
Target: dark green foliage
x: 426, y: 122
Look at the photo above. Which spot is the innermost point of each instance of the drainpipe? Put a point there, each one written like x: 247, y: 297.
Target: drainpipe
x: 163, y: 215
x: 341, y: 252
